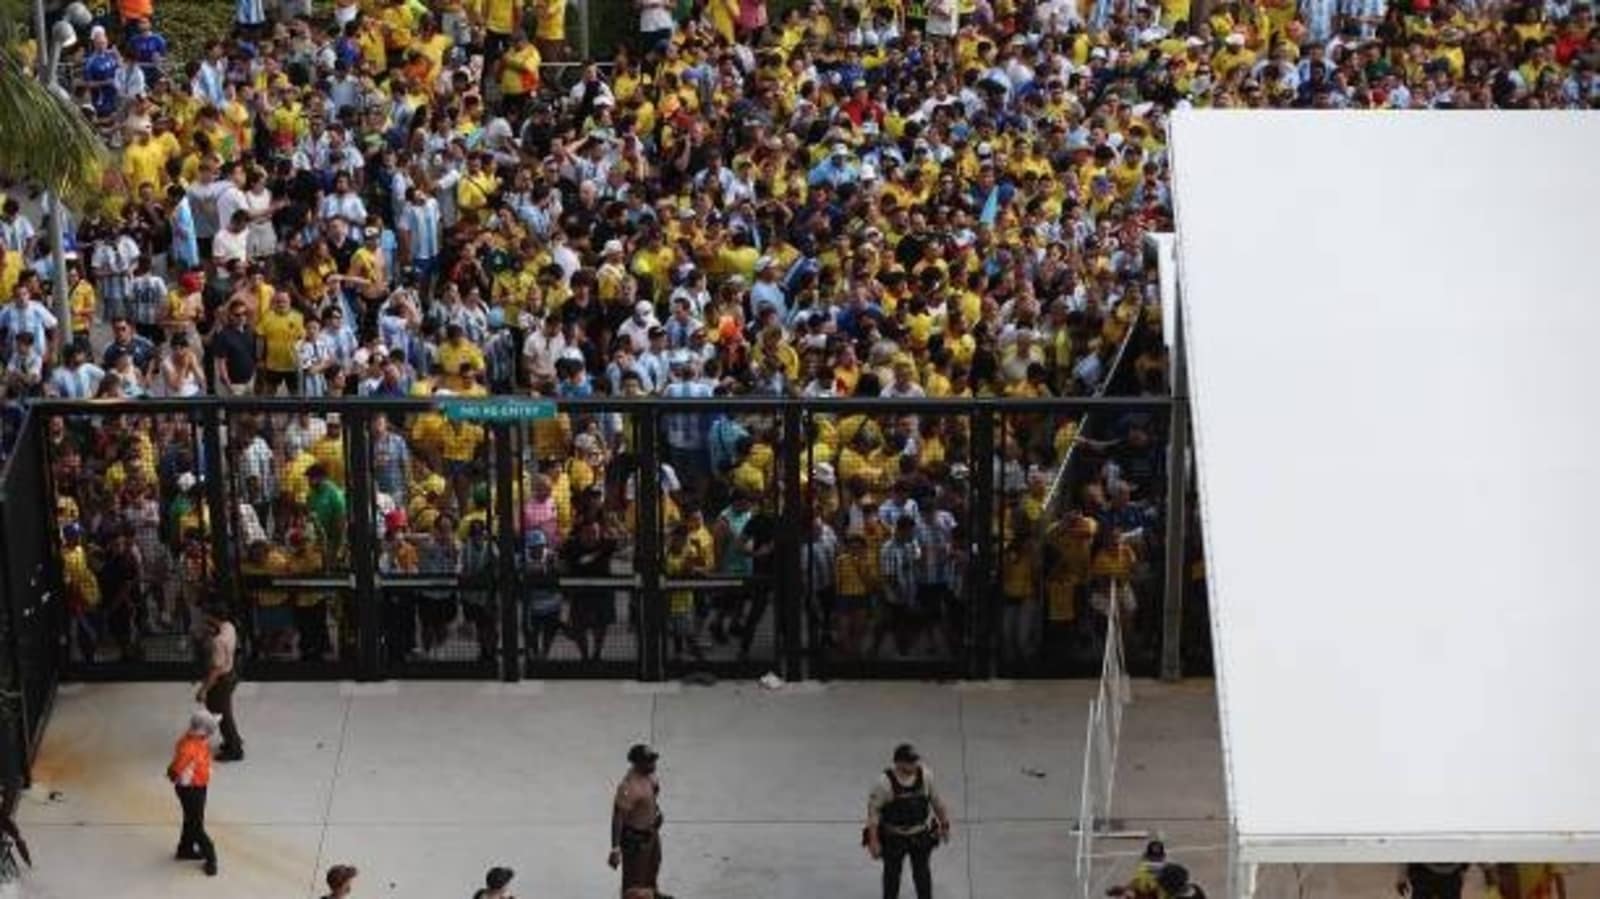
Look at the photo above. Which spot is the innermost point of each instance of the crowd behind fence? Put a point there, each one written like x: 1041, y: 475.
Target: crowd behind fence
x: 818, y: 538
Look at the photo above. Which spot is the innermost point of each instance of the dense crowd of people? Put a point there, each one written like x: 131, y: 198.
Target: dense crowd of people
x: 386, y: 198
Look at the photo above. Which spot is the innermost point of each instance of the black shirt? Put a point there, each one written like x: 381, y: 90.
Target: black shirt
x: 236, y: 348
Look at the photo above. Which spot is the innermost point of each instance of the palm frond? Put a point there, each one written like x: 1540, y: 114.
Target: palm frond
x: 44, y: 139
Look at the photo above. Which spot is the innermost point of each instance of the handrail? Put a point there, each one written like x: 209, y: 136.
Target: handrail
x: 1057, y: 483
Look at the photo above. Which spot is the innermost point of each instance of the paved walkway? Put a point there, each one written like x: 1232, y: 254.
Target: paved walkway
x: 425, y: 785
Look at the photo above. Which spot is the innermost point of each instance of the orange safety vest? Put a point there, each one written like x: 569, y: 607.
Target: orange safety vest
x: 192, y: 754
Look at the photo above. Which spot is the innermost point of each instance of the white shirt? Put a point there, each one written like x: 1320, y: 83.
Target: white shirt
x: 229, y: 245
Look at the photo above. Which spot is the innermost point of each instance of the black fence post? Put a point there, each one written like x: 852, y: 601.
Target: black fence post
x: 362, y: 504
x: 791, y: 538
x: 652, y: 602
x: 224, y: 555
x: 505, y: 508
x: 982, y: 573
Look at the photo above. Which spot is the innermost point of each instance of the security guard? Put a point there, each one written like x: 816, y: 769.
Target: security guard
x: 636, y: 824
x: 905, y: 818
x: 190, y: 773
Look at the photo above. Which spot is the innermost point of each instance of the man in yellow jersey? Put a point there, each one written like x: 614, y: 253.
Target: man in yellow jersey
x: 278, y: 335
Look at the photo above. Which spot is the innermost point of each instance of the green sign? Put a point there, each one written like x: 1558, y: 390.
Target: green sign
x: 498, y: 409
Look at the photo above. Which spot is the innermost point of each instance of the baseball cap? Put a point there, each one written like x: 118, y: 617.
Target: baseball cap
x: 905, y: 752
x: 640, y: 754
x: 498, y: 877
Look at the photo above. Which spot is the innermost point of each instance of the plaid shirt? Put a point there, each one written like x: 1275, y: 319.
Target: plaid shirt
x: 897, y: 563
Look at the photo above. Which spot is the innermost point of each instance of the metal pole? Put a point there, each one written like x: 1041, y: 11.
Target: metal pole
x: 983, y: 576
x: 51, y: 200
x: 1177, y: 508
x: 792, y: 537
x: 506, y: 447
x: 651, y: 602
x: 583, y: 29
x: 362, y: 548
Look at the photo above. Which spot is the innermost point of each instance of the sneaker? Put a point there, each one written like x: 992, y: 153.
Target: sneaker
x: 186, y: 855
x: 211, y: 868
x: 236, y: 755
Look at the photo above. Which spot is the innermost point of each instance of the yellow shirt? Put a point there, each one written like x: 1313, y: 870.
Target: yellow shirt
x: 461, y: 441
x: 329, y: 453
x: 280, y: 332
x: 552, y: 20
x: 143, y: 164
x: 84, y: 304
x: 451, y: 358
x: 1016, y: 572
x: 10, y: 272
x: 474, y: 190
x: 853, y: 571
x: 500, y: 16
x: 520, y: 74
x: 79, y: 576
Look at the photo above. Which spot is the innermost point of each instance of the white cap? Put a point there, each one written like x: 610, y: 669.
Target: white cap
x: 1194, y: 42
x: 643, y: 307
x: 1235, y: 40
x: 765, y: 262
x: 186, y: 482
x: 1097, y: 53
x: 612, y: 246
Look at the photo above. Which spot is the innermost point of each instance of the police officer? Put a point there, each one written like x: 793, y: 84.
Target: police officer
x: 636, y: 824
x: 906, y: 818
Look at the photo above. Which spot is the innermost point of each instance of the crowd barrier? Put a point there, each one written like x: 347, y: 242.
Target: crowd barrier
x: 369, y: 539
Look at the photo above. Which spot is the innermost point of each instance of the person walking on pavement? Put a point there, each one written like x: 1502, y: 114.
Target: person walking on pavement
x: 636, y: 824
x: 341, y: 881
x: 906, y: 818
x: 190, y: 773
x: 216, y: 691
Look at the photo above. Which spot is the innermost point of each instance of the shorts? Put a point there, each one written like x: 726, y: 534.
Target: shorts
x: 425, y: 268
x: 845, y: 605
x: 274, y: 618
x: 270, y: 380
x: 593, y: 610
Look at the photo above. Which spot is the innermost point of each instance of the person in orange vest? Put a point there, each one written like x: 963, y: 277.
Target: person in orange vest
x: 190, y: 773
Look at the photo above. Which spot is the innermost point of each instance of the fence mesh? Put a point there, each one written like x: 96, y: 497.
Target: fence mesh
x: 806, y: 537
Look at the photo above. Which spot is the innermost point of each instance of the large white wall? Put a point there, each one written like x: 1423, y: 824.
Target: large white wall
x: 1391, y: 322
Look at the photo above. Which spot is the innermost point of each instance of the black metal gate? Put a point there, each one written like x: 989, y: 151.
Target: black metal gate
x: 367, y: 538
x: 32, y: 613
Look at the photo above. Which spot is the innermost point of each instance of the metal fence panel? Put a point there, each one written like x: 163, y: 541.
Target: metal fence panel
x: 363, y: 538
x: 31, y: 616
